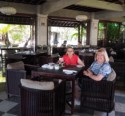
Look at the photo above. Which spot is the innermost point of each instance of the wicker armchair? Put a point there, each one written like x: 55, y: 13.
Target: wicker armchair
x: 97, y: 95
x: 15, y: 72
x: 38, y: 102
x: 119, y: 67
x: 13, y: 77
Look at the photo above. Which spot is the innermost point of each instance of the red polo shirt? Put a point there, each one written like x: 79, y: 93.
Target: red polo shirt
x: 70, y: 61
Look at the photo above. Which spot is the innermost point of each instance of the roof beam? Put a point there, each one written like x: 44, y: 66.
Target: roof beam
x: 66, y: 12
x: 52, y: 6
x: 109, y: 14
x: 101, y: 5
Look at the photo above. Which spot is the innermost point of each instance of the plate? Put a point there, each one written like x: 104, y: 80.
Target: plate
x: 68, y: 72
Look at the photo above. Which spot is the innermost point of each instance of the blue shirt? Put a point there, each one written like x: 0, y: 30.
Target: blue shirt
x: 104, y: 69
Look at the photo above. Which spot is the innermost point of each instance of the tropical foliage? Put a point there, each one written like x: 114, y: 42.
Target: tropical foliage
x: 82, y: 32
x: 113, y: 32
x: 14, y: 34
x: 101, y: 34
x: 109, y: 31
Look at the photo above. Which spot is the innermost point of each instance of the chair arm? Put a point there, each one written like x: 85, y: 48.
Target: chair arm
x: 103, y: 88
x: 29, y: 68
x: 29, y: 65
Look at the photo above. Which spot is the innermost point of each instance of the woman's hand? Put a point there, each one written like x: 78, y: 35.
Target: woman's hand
x: 60, y: 60
x: 87, y: 73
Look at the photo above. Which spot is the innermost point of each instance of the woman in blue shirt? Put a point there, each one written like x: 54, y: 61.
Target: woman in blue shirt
x: 100, y: 68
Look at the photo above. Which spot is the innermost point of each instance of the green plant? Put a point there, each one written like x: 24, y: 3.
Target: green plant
x: 82, y: 32
x: 113, y: 32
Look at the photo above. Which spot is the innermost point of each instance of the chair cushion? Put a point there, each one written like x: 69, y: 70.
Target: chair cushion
x: 44, y: 85
x: 16, y: 65
x: 111, y: 76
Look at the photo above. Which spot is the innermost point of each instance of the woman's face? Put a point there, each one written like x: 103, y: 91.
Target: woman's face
x: 70, y: 51
x: 100, y: 57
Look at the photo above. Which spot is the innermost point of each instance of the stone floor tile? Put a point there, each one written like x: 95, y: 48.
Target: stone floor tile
x: 7, y: 105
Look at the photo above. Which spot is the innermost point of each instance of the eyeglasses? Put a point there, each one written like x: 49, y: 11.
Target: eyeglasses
x: 69, y: 51
x: 100, y: 55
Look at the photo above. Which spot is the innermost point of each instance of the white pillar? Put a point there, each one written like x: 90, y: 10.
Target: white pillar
x: 42, y: 29
x: 93, y: 32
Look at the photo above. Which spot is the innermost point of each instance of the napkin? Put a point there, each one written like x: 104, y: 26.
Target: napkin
x: 69, y: 71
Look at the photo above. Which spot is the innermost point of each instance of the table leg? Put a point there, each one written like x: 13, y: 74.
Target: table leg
x: 73, y: 96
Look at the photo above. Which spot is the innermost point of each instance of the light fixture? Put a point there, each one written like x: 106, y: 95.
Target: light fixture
x: 81, y: 17
x: 8, y: 10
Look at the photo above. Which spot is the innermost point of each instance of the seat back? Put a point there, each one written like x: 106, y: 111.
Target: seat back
x: 14, y: 72
x: 13, y: 77
x: 40, y: 102
x: 16, y: 65
x: 119, y: 67
x: 98, y: 95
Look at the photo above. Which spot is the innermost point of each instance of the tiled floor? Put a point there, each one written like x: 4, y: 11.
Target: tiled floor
x: 11, y: 106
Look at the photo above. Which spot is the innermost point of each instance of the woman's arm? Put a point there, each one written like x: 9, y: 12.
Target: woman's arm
x: 92, y: 76
x: 80, y: 62
x: 96, y: 77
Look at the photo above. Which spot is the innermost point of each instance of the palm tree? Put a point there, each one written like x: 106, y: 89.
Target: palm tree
x: 14, y: 32
x: 82, y: 34
x: 4, y: 29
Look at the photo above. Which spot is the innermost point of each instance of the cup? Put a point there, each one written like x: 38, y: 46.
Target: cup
x: 51, y: 66
x: 56, y: 66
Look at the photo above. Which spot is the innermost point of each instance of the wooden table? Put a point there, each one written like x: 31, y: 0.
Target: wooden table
x: 4, y: 52
x: 59, y: 74
x: 31, y: 57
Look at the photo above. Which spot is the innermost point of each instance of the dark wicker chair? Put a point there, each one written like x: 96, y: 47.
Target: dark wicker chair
x: 14, y: 74
x: 119, y: 67
x: 97, y: 95
x: 13, y: 77
x: 36, y: 102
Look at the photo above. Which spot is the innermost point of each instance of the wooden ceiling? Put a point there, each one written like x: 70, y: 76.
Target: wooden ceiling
x: 90, y: 9
x: 115, y: 1
x: 83, y: 8
x: 32, y: 2
x: 39, y: 2
x: 71, y: 7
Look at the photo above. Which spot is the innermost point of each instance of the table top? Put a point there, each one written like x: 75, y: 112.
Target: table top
x: 60, y: 73
x: 15, y: 48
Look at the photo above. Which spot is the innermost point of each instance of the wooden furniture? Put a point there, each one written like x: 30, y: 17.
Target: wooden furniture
x: 31, y: 57
x: 119, y: 67
x: 5, y: 52
x: 47, y: 59
x: 97, y: 95
x: 59, y: 74
x: 13, y: 77
x: 38, y: 102
x: 15, y: 72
